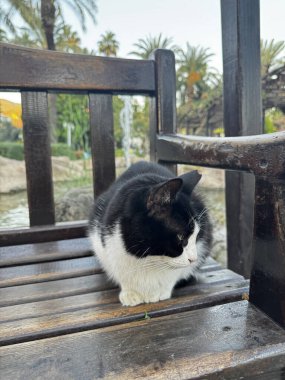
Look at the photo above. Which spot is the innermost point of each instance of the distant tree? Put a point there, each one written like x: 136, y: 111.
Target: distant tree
x: 68, y: 40
x: 194, y: 75
x: 145, y: 46
x: 108, y: 44
x: 47, y: 11
x: 270, y: 55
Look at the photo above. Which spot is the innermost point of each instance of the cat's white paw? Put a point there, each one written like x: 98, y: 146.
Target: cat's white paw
x: 165, y: 295
x: 130, y: 298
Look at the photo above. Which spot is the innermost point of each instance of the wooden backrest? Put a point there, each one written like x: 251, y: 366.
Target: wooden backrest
x: 34, y: 73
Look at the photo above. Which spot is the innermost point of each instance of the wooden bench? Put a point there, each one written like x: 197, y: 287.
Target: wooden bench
x: 60, y: 317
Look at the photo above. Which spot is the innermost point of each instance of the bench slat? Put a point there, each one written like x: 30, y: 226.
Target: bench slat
x: 78, y: 313
x: 27, y: 274
x: 205, y: 343
x: 38, y: 158
x: 22, y: 67
x: 43, y: 252
x: 100, y: 297
x: 40, y: 234
x: 102, y: 142
x: 67, y: 287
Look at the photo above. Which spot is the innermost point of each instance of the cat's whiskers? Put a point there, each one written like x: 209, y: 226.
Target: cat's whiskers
x: 157, y: 266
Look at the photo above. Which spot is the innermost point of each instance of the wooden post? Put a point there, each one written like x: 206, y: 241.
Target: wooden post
x: 102, y: 141
x: 38, y: 158
x: 163, y: 106
x: 267, y: 282
x: 242, y: 116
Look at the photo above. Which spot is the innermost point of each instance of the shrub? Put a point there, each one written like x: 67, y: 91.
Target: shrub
x: 12, y: 150
x: 62, y: 150
x: 16, y: 150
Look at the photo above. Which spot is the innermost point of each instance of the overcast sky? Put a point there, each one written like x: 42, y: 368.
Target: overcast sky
x: 195, y: 21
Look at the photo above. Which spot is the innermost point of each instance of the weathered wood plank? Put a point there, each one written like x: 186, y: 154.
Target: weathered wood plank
x: 242, y: 116
x: 49, y: 271
x: 69, y: 230
x: 193, y: 344
x: 43, y: 252
x: 14, y: 295
x: 102, y: 142
x: 97, y: 298
x: 164, y: 104
x: 48, y: 318
x: 38, y: 158
x: 22, y: 67
x: 262, y: 155
x: 267, y: 289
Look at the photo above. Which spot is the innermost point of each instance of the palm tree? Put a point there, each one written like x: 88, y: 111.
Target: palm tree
x: 145, y: 46
x: 194, y: 75
x: 49, y: 11
x: 270, y: 55
x: 67, y: 40
x: 108, y: 45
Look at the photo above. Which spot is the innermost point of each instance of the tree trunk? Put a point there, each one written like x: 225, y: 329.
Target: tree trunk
x: 48, y: 22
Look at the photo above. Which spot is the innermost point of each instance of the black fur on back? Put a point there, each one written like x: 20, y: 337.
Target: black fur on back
x: 155, y: 210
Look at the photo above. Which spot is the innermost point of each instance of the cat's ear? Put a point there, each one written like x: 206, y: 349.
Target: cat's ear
x: 164, y: 194
x: 190, y: 180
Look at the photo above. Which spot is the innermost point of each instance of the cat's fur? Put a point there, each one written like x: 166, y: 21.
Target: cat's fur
x: 149, y: 231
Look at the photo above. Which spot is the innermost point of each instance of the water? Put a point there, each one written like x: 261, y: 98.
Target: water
x: 14, y: 207
x: 14, y: 210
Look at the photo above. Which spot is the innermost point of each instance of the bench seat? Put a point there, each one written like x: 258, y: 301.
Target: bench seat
x: 58, y: 305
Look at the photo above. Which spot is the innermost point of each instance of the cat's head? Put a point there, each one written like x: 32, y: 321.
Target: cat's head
x: 165, y: 220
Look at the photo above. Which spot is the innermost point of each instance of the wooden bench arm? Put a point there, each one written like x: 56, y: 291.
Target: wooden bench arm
x: 262, y: 155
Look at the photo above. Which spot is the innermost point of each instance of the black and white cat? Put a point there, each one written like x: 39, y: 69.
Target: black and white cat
x: 149, y: 231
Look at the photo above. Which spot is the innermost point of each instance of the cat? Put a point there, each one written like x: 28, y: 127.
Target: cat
x: 149, y: 230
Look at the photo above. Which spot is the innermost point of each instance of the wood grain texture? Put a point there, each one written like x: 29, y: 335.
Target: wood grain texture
x: 60, y: 231
x: 27, y: 68
x: 43, y: 252
x: 164, y: 104
x: 242, y: 116
x: 261, y: 155
x: 208, y: 341
x: 105, y: 293
x: 49, y: 318
x: 16, y: 295
x: 267, y: 289
x: 67, y: 287
x: 102, y: 142
x: 38, y: 158
x: 48, y: 271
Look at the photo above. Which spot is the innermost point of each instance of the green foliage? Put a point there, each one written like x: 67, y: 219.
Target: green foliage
x: 140, y: 130
x: 118, y: 105
x: 13, y: 150
x: 73, y: 109
x: 62, y: 150
x: 145, y: 46
x: 270, y: 55
x: 271, y: 120
x: 108, y: 45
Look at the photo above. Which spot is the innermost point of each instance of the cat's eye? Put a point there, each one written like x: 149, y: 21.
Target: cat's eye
x: 183, y: 240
